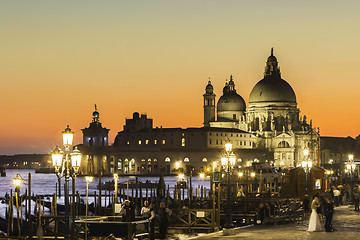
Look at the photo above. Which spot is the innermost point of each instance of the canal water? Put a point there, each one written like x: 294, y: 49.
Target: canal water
x: 45, y: 184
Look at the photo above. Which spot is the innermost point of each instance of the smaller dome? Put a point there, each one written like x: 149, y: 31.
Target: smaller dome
x: 231, y: 102
x: 136, y: 115
x: 209, y: 88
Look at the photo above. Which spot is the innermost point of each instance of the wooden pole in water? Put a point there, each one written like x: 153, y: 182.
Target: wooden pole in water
x: 168, y: 196
x: 26, y: 204
x: 136, y: 193
x: 12, y: 212
x: 95, y: 205
x: 127, y: 189
x: 21, y: 210
x: 100, y: 190
x: 141, y: 195
x: 29, y: 205
x: 8, y: 217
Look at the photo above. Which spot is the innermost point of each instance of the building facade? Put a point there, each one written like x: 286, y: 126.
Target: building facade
x: 270, y: 129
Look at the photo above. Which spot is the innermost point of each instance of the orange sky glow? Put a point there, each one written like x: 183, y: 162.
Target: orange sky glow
x: 59, y: 58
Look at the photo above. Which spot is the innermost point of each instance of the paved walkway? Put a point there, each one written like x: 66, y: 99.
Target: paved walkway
x: 346, y: 224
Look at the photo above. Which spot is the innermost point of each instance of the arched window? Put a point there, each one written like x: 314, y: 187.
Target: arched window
x: 167, y: 159
x: 186, y: 160
x: 283, y: 144
x: 204, y: 160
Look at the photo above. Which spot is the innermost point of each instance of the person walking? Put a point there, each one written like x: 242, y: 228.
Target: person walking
x: 314, y: 223
x: 356, y: 199
x: 336, y: 193
x: 151, y: 221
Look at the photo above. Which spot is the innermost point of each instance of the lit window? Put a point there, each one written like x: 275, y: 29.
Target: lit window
x: 163, y: 142
x: 186, y: 159
x: 139, y: 142
x: 155, y: 141
x: 149, y: 160
x: 155, y: 160
x: 146, y: 141
x: 167, y: 159
x: 204, y: 160
x: 143, y: 160
x: 183, y: 142
x: 128, y: 143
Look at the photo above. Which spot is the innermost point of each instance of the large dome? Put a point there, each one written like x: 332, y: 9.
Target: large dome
x: 231, y: 102
x: 272, y: 89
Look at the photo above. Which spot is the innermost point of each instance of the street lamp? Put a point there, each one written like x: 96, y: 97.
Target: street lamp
x: 17, y: 182
x: 228, y: 161
x: 307, y: 165
x: 66, y: 165
x: 88, y: 179
x: 351, y: 168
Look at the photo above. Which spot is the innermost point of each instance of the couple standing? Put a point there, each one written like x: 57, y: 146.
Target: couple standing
x: 316, y: 215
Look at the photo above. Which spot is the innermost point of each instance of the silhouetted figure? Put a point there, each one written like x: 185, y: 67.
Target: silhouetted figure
x: 263, y: 212
x: 163, y: 214
x: 356, y: 199
x: 306, y: 204
x: 152, y: 222
x: 127, y: 212
x: 328, y: 212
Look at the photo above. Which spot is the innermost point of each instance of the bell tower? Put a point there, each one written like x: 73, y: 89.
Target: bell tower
x: 209, y: 104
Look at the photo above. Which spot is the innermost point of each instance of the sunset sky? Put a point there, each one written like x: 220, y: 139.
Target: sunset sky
x: 59, y: 58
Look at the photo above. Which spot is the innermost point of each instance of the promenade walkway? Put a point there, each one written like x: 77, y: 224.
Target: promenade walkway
x: 346, y: 225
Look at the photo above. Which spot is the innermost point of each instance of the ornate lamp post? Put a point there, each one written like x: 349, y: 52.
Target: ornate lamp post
x: 88, y: 180
x: 66, y: 165
x: 307, y: 165
x: 18, y: 180
x: 228, y: 161
x: 351, y: 168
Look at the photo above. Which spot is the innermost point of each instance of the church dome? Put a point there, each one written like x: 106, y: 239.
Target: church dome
x: 230, y: 100
x: 272, y: 88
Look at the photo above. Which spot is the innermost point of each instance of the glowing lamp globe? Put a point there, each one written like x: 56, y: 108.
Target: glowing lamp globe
x: 76, y: 159
x: 224, y: 161
x: 232, y: 160
x: 17, y: 180
x: 68, y: 136
x: 57, y: 156
x: 228, y: 147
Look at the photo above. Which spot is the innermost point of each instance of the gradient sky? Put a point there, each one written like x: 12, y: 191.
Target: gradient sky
x: 59, y: 58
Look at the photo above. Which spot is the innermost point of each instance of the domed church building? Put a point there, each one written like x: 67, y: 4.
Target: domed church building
x: 272, y: 117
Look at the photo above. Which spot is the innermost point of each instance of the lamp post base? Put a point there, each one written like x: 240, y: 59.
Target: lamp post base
x: 228, y: 231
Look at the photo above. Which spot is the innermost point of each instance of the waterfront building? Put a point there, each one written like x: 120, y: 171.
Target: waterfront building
x: 270, y: 129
